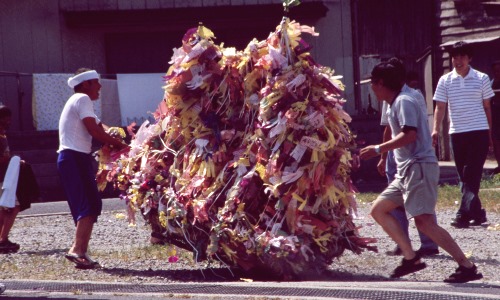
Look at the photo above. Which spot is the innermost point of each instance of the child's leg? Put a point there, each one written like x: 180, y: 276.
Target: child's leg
x: 7, y: 218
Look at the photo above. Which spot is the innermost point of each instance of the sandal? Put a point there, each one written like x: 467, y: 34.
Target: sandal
x: 9, y: 247
x: 94, y: 262
x: 463, y: 275
x: 408, y: 266
x: 82, y: 261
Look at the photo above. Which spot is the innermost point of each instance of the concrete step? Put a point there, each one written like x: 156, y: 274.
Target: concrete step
x: 55, y: 194
x: 45, y: 170
x: 40, y: 156
x: 33, y: 140
x: 50, y: 188
x: 39, y: 149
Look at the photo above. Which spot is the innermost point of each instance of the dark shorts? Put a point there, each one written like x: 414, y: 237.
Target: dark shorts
x: 78, y: 179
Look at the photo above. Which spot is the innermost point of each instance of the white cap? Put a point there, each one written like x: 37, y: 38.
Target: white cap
x: 77, y: 79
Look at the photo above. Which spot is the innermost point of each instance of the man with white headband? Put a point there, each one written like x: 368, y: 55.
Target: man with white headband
x: 77, y: 126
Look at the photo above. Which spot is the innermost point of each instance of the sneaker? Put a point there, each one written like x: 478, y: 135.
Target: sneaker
x: 463, y: 274
x: 394, y: 252
x: 422, y: 252
x: 9, y: 247
x: 478, y: 221
x: 459, y: 223
x: 408, y: 266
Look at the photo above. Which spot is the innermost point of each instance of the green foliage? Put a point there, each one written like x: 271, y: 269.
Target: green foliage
x: 449, y: 195
x: 491, y: 182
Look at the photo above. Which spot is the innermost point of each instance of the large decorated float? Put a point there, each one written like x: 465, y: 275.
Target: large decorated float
x: 249, y: 159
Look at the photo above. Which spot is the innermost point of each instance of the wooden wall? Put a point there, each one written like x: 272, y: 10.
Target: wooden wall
x: 29, y: 42
x: 395, y: 27
x: 387, y: 28
x: 469, y: 20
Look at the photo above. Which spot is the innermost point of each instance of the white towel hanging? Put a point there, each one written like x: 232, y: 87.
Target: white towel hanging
x: 9, y: 187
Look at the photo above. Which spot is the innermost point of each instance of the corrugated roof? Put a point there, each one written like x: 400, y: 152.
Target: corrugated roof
x: 471, y: 41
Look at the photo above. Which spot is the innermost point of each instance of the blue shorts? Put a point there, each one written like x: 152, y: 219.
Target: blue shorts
x: 78, y: 179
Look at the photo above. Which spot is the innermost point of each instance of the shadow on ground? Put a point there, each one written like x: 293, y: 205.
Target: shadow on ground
x: 46, y: 252
x: 236, y: 275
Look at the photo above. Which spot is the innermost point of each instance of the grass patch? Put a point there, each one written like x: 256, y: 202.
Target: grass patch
x: 491, y: 182
x: 489, y: 200
x: 366, y: 197
x: 150, y: 252
x: 449, y: 195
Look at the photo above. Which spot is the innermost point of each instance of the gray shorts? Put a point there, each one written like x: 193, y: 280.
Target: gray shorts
x: 417, y: 190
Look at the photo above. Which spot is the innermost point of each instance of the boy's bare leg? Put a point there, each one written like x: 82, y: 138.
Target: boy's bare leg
x: 381, y: 213
x: 426, y: 223
x: 7, y: 218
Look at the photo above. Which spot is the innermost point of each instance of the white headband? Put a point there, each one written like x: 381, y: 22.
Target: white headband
x: 77, y: 79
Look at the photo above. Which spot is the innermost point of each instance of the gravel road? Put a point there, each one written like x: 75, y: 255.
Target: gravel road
x: 127, y: 256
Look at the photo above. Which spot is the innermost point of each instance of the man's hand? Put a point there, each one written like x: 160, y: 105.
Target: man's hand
x: 381, y: 166
x: 120, y: 146
x: 435, y: 136
x: 439, y: 112
x: 368, y: 152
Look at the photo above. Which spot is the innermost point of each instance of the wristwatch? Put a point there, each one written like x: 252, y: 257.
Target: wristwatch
x: 377, y: 149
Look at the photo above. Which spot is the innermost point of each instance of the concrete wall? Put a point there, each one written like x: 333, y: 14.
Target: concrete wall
x: 333, y: 47
x: 30, y: 41
x: 136, y: 36
x: 45, y: 36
